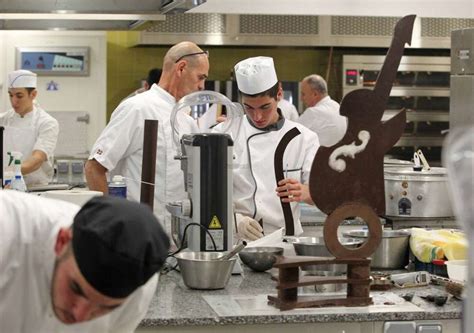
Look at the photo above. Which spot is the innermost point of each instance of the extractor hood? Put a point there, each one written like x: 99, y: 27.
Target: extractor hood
x: 87, y: 14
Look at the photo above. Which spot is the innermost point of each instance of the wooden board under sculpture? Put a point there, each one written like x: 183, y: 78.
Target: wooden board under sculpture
x: 347, y: 180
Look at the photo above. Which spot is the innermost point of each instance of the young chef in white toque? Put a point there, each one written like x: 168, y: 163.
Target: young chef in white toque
x: 322, y: 113
x: 119, y: 149
x: 256, y: 195
x: 65, y: 269
x: 29, y: 129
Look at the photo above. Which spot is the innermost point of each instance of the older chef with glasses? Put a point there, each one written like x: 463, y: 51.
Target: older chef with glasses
x: 29, y: 129
x: 119, y: 149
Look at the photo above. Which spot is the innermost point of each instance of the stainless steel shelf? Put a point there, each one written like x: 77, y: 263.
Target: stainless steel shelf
x: 409, y: 91
x: 420, y: 141
x: 431, y: 116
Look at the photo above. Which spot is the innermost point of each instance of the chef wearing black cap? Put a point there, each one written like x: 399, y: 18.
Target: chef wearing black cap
x: 68, y: 270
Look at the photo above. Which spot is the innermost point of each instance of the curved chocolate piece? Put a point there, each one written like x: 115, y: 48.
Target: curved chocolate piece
x: 279, y: 175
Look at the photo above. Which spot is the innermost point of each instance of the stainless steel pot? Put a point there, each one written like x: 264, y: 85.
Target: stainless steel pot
x: 392, y: 252
x: 315, y: 246
x: 411, y: 193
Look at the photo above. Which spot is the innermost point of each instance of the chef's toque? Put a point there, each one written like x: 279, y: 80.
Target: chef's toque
x: 118, y: 245
x: 21, y: 79
x: 255, y: 75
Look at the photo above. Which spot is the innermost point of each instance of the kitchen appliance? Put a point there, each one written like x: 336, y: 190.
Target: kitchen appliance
x: 54, y: 61
x: 418, y: 194
x: 88, y: 14
x: 392, y: 252
x: 206, y: 160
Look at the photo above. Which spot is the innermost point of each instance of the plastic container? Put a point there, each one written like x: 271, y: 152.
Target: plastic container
x: 118, y: 187
x: 8, y: 176
x: 18, y: 183
x: 9, y: 173
x: 457, y: 270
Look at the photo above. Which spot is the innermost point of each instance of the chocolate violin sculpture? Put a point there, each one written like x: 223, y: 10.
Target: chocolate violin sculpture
x: 347, y: 178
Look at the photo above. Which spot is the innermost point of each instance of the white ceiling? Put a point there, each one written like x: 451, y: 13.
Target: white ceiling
x: 422, y: 8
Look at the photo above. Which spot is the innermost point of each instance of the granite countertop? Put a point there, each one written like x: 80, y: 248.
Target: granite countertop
x: 244, y: 301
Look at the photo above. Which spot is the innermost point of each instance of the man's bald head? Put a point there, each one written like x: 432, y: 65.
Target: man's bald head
x: 178, y: 51
x: 185, y: 69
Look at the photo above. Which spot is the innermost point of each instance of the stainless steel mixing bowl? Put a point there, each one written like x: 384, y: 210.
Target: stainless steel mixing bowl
x: 392, y: 252
x: 201, y: 270
x: 315, y: 246
x: 261, y: 258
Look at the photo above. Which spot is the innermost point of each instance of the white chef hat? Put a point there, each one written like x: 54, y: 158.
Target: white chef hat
x: 21, y: 79
x: 255, y: 75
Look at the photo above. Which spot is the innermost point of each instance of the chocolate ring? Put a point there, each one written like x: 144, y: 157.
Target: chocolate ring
x: 338, y: 216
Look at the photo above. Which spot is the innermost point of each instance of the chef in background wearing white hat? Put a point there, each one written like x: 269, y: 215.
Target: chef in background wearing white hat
x: 257, y: 198
x: 29, y: 129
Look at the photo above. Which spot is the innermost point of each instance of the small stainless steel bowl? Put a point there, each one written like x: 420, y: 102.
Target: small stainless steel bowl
x: 201, y: 270
x: 261, y: 258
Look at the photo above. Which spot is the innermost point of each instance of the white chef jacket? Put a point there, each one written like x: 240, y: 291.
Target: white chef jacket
x: 28, y: 228
x: 324, y: 119
x: 288, y: 110
x: 254, y: 179
x: 119, y: 148
x: 37, y: 130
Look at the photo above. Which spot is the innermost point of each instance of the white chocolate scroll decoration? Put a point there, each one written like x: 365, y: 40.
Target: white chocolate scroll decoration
x: 335, y: 160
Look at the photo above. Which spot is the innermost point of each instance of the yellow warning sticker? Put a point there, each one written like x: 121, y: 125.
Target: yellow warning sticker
x: 215, y: 224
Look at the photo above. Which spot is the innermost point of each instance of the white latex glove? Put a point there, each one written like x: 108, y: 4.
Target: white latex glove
x: 248, y: 228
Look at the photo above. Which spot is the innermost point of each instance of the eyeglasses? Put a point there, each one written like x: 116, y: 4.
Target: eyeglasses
x: 192, y: 54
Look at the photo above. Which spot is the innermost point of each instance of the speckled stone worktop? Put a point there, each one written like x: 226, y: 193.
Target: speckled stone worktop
x: 243, y: 301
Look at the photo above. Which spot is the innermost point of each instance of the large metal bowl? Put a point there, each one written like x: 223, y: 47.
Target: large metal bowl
x: 316, y: 247
x: 201, y: 270
x: 392, y: 253
x: 261, y: 258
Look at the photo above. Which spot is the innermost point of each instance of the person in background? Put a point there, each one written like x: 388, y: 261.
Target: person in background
x: 70, y: 269
x: 322, y: 113
x: 119, y: 148
x: 261, y: 130
x: 287, y: 109
x: 153, y: 77
x: 29, y: 129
